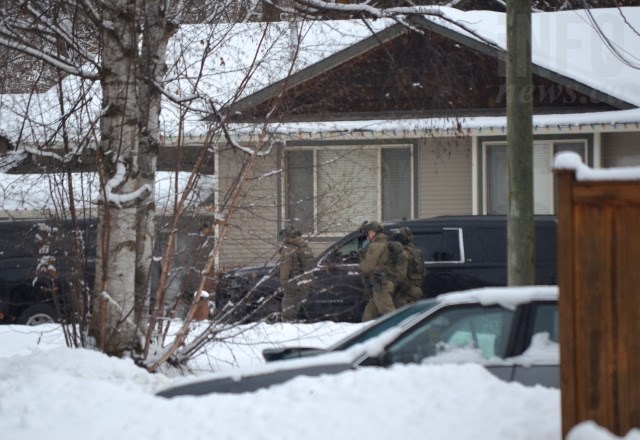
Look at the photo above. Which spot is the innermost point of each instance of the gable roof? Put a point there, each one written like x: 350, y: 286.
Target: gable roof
x: 566, y: 50
x: 216, y: 62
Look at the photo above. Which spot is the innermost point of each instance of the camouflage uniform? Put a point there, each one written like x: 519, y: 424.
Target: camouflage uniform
x: 377, y: 273
x: 411, y: 289
x: 402, y: 283
x: 295, y: 258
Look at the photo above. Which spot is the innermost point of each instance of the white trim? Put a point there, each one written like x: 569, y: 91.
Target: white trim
x: 484, y: 177
x: 314, y: 167
x: 379, y: 180
x: 216, y: 204
x: 629, y: 121
x: 597, y: 150
x: 474, y: 175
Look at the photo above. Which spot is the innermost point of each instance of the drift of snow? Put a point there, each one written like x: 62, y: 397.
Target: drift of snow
x: 568, y: 160
x: 53, y: 392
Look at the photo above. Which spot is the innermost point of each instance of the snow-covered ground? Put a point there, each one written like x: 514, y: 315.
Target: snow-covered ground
x: 53, y: 392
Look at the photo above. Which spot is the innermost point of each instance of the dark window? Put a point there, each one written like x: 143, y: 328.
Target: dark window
x: 442, y: 245
x: 396, y: 183
x: 546, y: 320
x: 546, y: 245
x: 300, y: 189
x: 494, y: 243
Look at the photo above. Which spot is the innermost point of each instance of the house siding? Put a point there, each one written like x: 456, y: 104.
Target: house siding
x: 252, y: 235
x: 444, y: 177
x: 620, y: 149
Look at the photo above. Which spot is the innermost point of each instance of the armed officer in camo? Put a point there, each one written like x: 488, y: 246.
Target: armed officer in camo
x: 377, y: 272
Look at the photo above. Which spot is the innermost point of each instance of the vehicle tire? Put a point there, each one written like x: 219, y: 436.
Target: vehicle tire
x: 39, y: 314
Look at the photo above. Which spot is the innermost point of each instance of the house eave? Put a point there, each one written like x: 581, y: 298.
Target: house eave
x: 410, y: 114
x: 598, y: 122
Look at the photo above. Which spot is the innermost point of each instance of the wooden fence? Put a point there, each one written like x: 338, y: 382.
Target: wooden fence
x: 599, y: 280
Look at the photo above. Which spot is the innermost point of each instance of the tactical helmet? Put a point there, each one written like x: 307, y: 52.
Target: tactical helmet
x: 370, y: 226
x: 405, y: 236
x: 290, y: 231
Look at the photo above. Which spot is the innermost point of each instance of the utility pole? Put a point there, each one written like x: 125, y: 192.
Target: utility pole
x: 520, y: 225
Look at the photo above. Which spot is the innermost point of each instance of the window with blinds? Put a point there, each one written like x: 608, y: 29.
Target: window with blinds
x: 496, y: 179
x: 335, y: 189
x: 299, y: 188
x: 396, y: 183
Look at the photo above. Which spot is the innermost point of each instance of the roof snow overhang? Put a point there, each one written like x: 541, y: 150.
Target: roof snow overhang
x: 460, y: 36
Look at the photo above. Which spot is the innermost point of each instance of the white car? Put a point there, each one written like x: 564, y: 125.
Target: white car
x: 512, y: 331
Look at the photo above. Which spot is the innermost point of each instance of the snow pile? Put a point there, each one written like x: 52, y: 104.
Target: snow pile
x: 50, y: 391
x: 568, y: 160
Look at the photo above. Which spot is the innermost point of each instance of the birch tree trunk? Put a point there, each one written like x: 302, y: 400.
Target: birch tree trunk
x: 157, y: 30
x: 119, y: 156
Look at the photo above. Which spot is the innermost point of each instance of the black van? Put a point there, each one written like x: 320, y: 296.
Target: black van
x: 461, y: 252
x: 38, y: 267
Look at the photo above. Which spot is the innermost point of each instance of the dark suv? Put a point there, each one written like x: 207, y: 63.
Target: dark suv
x: 461, y: 252
x: 40, y: 268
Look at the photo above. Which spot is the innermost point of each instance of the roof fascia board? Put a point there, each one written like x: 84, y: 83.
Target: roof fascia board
x: 422, y: 133
x: 501, y: 54
x: 318, y: 68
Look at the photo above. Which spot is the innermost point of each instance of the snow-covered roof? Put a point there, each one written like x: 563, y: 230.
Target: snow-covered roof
x: 219, y: 64
x: 35, y: 192
x: 206, y: 64
x: 597, y: 47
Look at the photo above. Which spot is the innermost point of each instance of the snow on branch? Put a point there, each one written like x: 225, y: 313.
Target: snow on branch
x: 123, y: 200
x: 179, y: 100
x: 372, y: 11
x: 91, y: 10
x: 229, y: 138
x: 61, y: 63
x: 46, y: 26
x: 397, y: 13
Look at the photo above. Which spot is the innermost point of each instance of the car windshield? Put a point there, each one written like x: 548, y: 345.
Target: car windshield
x: 480, y: 331
x: 384, y: 323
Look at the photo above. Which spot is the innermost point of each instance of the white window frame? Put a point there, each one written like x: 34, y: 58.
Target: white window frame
x: 378, y: 149
x: 551, y: 142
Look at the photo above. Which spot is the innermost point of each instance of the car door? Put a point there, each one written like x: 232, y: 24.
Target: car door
x: 538, y: 343
x: 461, y: 333
x: 446, y: 265
x: 337, y: 288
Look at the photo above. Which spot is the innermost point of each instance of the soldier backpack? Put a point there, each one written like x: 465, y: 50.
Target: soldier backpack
x: 415, y: 268
x: 397, y: 260
x: 305, y: 258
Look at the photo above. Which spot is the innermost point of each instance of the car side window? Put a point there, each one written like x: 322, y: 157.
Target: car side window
x: 545, y: 320
x: 542, y: 346
x: 348, y: 252
x: 482, y: 331
x: 440, y: 246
